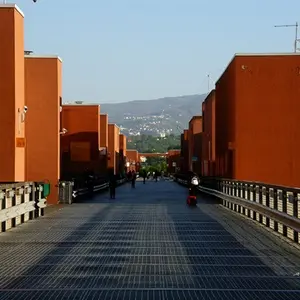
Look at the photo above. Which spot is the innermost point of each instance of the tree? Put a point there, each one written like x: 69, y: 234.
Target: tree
x: 151, y: 144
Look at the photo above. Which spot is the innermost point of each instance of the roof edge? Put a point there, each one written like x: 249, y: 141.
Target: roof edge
x: 256, y: 54
x: 12, y: 5
x: 43, y: 56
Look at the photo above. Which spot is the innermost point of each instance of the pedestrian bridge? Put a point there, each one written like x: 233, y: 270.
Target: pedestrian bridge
x: 146, y: 244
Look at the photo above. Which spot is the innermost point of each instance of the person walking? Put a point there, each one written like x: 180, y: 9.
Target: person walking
x: 156, y: 175
x: 112, y: 186
x: 144, y: 176
x: 133, y: 179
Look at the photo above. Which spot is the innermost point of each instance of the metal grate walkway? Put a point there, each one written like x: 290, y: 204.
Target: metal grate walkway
x: 146, y: 244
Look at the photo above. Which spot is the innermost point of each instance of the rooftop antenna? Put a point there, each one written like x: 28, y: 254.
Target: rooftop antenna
x: 208, y: 81
x: 4, y: 1
x: 296, y: 34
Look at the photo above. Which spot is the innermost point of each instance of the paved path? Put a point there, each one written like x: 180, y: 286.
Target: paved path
x: 146, y: 244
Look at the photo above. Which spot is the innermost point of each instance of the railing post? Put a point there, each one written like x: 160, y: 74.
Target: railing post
x: 284, y: 208
x: 291, y: 211
x: 297, y: 215
x: 264, y: 203
x: 251, y: 192
x: 3, y: 202
x: 280, y: 208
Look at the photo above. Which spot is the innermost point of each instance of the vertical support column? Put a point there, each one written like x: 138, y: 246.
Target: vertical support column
x: 280, y: 208
x: 262, y: 219
x: 12, y: 152
x: 297, y: 214
x: 272, y: 205
x: 290, y: 210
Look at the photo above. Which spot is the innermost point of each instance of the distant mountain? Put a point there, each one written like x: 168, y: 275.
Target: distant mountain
x: 155, y: 117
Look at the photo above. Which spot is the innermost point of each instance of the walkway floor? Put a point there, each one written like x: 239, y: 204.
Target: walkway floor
x: 146, y: 244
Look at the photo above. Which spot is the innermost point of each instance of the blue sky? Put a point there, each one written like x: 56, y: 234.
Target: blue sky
x: 121, y: 50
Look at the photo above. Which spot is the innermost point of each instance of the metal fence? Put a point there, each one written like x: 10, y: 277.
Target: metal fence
x: 67, y: 193
x: 20, y: 202
x: 275, y: 207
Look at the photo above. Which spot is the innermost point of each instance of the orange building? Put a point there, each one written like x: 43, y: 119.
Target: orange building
x: 104, y: 139
x: 123, y: 148
x: 12, y: 97
x: 173, y: 160
x: 132, y: 159
x: 113, y: 148
x: 43, y: 90
x: 184, y: 146
x: 103, y: 131
x: 257, y: 116
x: 208, y: 135
x: 195, y: 144
x: 80, y: 144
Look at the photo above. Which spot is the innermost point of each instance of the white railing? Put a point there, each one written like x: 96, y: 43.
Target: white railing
x: 275, y: 207
x: 68, y: 194
x: 19, y: 203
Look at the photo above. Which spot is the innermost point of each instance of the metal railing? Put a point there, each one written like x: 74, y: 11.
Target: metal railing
x: 67, y: 194
x: 275, y: 207
x: 20, y: 202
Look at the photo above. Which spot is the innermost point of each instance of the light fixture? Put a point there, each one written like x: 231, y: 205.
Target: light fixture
x: 63, y: 131
x: 22, y: 113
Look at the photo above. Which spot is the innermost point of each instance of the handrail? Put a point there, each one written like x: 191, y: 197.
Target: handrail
x: 273, y: 207
x: 277, y: 216
x: 71, y: 194
x: 96, y: 188
x: 268, y: 185
x: 20, y: 202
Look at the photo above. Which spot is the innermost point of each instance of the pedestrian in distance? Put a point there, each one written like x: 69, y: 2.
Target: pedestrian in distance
x: 112, y: 186
x: 144, y: 176
x: 133, y: 179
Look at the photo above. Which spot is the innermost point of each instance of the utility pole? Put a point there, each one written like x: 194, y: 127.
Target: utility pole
x: 296, y: 34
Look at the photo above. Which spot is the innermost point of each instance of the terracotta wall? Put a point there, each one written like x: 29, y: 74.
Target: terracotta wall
x: 122, y: 153
x: 173, y: 157
x: 81, y: 118
x: 43, y: 90
x: 225, y: 118
x: 132, y: 157
x: 104, y: 130
x: 195, y: 144
x: 123, y: 143
x: 113, y: 147
x: 257, y: 116
x: 12, y: 97
x: 80, y: 145
x: 184, y: 159
x: 208, y: 135
x: 104, y: 140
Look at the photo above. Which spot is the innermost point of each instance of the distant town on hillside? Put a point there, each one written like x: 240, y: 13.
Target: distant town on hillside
x: 159, y: 117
